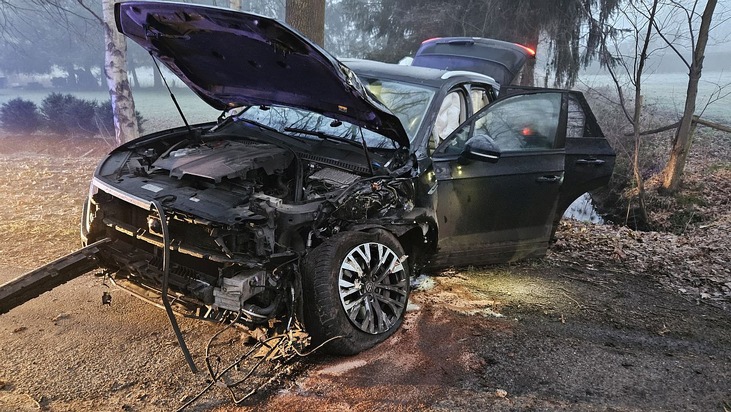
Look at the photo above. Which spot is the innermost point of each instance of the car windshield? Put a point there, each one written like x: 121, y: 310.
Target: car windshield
x: 311, y: 125
x: 407, y: 101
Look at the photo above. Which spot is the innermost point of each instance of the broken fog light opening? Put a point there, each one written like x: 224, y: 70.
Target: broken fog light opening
x: 154, y: 225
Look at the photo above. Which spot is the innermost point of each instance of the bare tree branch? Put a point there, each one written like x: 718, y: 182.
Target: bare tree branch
x: 713, y: 125
x: 92, y: 12
x: 696, y: 119
x: 670, y: 44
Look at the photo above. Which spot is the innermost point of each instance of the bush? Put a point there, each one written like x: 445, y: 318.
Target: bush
x: 53, y: 109
x: 67, y: 114
x: 20, y: 116
x: 81, y: 117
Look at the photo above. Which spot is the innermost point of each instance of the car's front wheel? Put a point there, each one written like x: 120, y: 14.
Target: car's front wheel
x: 355, y: 290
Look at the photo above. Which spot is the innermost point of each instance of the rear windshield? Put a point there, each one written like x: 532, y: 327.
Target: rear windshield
x: 497, y: 71
x: 476, y: 51
x: 500, y: 60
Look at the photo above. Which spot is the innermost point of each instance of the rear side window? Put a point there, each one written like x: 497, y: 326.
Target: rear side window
x: 580, y: 120
x: 479, y: 99
x: 576, y: 122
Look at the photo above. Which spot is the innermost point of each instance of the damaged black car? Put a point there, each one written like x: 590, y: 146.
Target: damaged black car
x: 325, y: 185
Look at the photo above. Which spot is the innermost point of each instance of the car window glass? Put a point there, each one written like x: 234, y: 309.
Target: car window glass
x: 451, y: 114
x: 576, y: 118
x: 288, y: 119
x: 517, y: 123
x: 407, y: 101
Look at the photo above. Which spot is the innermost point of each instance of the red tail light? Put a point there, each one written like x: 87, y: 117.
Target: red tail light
x: 432, y: 39
x: 529, y: 50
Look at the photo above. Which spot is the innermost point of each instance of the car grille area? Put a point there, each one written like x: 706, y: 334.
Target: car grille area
x: 202, y: 255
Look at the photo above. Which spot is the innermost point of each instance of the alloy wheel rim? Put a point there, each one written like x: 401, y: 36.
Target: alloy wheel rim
x: 373, y: 287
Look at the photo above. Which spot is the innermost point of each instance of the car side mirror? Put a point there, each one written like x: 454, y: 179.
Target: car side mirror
x: 481, y: 147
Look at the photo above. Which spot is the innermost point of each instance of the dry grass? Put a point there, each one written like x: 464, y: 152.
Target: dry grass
x: 43, y: 182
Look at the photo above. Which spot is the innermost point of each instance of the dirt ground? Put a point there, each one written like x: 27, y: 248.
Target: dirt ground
x: 611, y: 319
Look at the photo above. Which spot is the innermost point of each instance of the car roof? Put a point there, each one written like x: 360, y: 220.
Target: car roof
x: 498, y: 59
x: 411, y: 74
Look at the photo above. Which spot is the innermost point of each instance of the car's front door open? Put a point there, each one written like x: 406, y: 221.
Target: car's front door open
x: 501, y: 210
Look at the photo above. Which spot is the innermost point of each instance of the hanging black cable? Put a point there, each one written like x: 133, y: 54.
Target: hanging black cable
x: 165, y: 275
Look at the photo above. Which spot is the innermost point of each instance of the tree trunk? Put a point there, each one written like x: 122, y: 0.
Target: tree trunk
x: 115, y: 71
x: 234, y: 4
x: 308, y: 17
x: 529, y: 73
x: 637, y: 116
x: 637, y: 150
x: 684, y: 135
x: 528, y: 76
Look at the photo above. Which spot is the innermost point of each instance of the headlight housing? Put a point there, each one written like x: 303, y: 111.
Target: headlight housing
x: 87, y: 214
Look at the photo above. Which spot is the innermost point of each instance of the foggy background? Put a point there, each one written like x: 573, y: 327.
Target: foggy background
x: 43, y: 50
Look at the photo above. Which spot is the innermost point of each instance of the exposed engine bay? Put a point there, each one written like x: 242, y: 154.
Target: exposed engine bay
x: 240, y: 215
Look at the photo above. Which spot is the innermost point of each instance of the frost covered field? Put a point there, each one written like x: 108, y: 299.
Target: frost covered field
x: 668, y: 90
x: 665, y: 90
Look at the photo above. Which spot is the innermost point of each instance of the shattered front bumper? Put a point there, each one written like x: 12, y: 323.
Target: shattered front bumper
x: 123, y: 259
x: 32, y: 284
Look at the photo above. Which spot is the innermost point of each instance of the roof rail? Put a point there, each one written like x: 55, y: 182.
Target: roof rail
x: 455, y: 73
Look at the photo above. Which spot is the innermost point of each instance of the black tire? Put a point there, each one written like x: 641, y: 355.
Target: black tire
x: 376, y: 300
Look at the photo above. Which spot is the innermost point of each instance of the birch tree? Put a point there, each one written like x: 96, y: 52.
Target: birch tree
x: 115, y: 73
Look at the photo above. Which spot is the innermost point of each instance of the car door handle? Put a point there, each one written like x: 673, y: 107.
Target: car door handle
x: 595, y: 162
x: 548, y: 179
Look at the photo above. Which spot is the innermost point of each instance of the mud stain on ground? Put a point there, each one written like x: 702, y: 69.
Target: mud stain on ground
x: 561, y: 344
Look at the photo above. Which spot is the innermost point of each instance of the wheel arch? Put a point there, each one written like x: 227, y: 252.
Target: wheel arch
x: 419, y: 240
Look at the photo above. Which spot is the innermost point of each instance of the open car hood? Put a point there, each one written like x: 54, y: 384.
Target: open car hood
x: 498, y: 59
x: 231, y: 59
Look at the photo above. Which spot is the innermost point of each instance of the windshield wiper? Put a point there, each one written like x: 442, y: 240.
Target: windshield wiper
x: 322, y: 135
x: 255, y: 123
x: 325, y: 136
